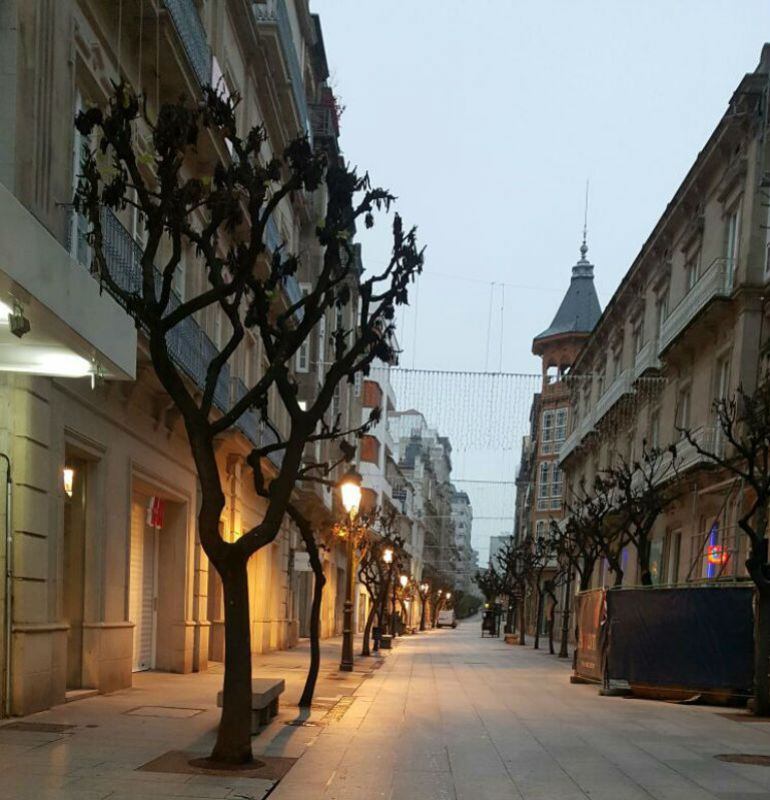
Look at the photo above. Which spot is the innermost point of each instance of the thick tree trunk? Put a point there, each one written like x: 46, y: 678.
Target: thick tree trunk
x: 365, y: 649
x: 522, y: 621
x: 551, y: 622
x: 509, y: 617
x: 645, y: 574
x: 762, y: 653
x: 538, y: 613
x: 564, y: 647
x: 319, y: 581
x: 233, y: 745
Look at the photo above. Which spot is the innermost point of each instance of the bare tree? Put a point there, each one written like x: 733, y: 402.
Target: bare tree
x: 219, y: 207
x: 540, y: 561
x: 643, y: 489
x: 515, y: 561
x: 742, y: 449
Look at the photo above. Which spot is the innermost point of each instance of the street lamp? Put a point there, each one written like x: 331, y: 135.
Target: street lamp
x: 403, y: 580
x: 350, y: 493
x: 387, y: 555
x: 424, y: 589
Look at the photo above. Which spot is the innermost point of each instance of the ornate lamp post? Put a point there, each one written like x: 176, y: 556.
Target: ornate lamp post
x: 350, y: 492
x: 424, y: 590
x: 403, y: 580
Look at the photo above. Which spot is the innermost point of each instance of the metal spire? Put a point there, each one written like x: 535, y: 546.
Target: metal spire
x: 584, y: 246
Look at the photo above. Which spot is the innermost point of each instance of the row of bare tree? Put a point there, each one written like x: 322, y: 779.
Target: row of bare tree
x: 618, y: 511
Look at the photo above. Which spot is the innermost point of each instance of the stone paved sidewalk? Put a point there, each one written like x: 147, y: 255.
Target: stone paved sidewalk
x: 115, y: 734
x: 457, y: 717
x: 448, y: 716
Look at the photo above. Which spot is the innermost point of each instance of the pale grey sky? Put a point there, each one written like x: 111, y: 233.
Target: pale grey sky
x: 486, y: 117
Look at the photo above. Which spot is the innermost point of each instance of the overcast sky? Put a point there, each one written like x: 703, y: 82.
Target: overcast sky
x: 486, y: 117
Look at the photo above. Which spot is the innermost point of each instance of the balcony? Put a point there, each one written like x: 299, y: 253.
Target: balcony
x: 189, y: 28
x: 620, y: 387
x: 248, y: 423
x: 715, y: 283
x: 189, y: 346
x: 646, y: 359
x: 272, y: 17
x: 323, y: 121
x: 587, y: 424
x: 571, y: 443
x: 687, y: 457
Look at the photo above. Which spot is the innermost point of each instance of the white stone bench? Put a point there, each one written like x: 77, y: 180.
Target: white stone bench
x: 265, y: 693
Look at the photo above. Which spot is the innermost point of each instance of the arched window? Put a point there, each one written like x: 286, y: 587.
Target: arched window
x: 543, y: 486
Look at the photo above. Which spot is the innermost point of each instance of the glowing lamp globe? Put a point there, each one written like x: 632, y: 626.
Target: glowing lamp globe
x: 387, y: 555
x: 403, y: 580
x: 350, y: 491
x: 68, y: 478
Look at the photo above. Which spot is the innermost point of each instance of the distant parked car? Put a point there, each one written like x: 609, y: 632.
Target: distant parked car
x: 446, y: 617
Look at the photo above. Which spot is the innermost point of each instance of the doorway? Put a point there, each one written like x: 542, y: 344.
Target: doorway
x: 143, y: 587
x: 75, y: 517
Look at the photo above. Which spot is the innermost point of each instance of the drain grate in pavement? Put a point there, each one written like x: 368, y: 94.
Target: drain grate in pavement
x: 37, y: 727
x: 745, y: 758
x: 337, y: 711
x: 301, y: 723
x: 168, y: 712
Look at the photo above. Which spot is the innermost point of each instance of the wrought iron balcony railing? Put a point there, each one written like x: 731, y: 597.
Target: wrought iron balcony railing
x: 715, y: 282
x: 189, y: 28
x: 189, y: 345
x: 620, y: 387
x: 274, y: 14
x: 646, y: 359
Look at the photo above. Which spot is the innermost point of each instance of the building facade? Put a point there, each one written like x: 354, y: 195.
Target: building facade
x: 540, y: 490
x: 107, y: 574
x: 686, y: 327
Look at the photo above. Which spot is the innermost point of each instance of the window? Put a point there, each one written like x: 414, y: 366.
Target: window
x: 546, y: 442
x: 732, y: 239
x: 78, y: 246
x: 661, y: 309
x: 543, y: 487
x: 216, y: 328
x: 683, y: 410
x: 138, y: 229
x: 654, y: 436
x: 638, y: 337
x: 557, y: 482
x: 617, y: 360
x: 673, y: 548
x: 721, y: 389
x: 302, y: 357
x: 722, y: 383
x: 302, y: 362
x: 600, y: 383
x: 249, y: 364
x: 321, y: 348
x: 560, y: 426
x: 692, y: 270
x: 540, y: 529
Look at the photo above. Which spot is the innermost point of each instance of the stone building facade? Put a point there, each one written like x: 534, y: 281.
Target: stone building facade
x: 107, y: 573
x: 686, y: 326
